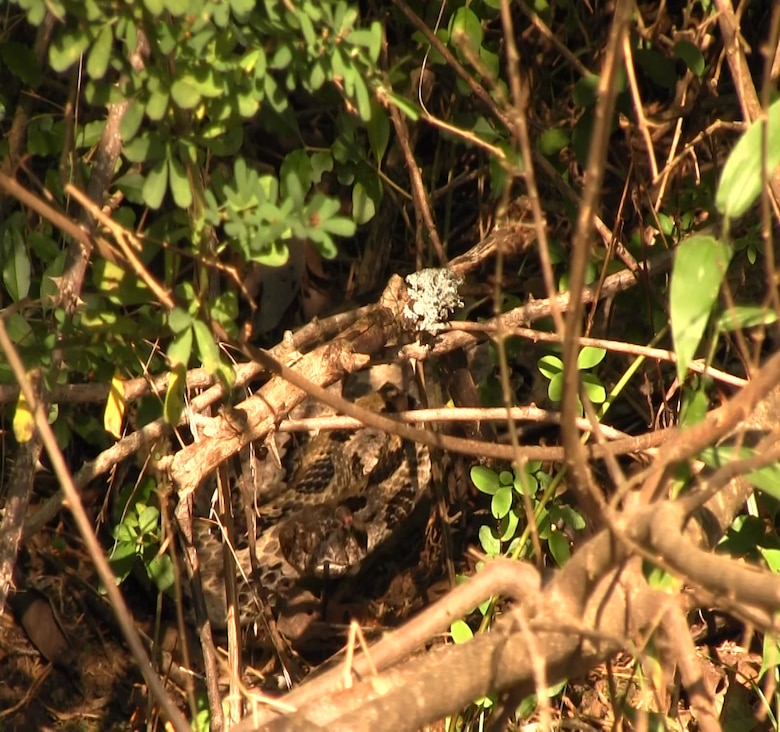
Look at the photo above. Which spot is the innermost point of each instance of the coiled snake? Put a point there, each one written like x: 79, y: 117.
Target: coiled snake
x: 349, y: 493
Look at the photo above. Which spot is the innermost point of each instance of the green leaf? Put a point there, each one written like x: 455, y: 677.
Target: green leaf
x: 67, y: 48
x: 131, y: 121
x: 180, y: 183
x: 525, y: 481
x: 361, y: 95
x: 484, y: 479
x: 100, y: 54
x: 149, y: 519
x: 185, y: 92
x: 466, y: 33
x: 174, y: 396
x: 19, y: 329
x: 691, y: 55
x: 155, y: 184
x: 155, y: 7
x: 552, y: 141
x: 766, y: 479
x: 122, y: 560
x: 589, y: 357
x: 585, y: 91
x: 506, y: 477
x: 295, y: 175
x: 363, y: 208
x: 180, y: 350
x: 555, y: 388
x: 21, y: 62
x: 410, y: 109
x: 770, y: 658
x: 501, y: 502
x: 144, y: 147
x: 248, y: 104
x: 489, y: 541
x: 321, y: 162
x: 772, y: 559
x: 594, y: 388
x: 209, y: 353
x: 368, y: 38
x: 694, y: 406
x: 699, y: 267
x: 378, y: 128
x: 508, y: 526
x: 15, y: 263
x: 161, y: 572
x: 659, y: 69
x: 460, y: 632
x: 157, y: 105
x: 338, y: 226
x: 178, y: 7
x: 550, y: 366
x: 559, y: 548
x: 178, y: 320
x: 740, y: 183
x: 571, y: 517
x: 745, y: 316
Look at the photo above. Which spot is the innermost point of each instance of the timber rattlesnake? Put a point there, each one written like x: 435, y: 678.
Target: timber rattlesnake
x: 348, y: 494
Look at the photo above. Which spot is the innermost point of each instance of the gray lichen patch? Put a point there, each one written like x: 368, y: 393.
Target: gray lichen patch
x: 433, y: 295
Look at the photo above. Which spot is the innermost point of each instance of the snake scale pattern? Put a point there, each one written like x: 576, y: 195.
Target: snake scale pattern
x: 349, y: 493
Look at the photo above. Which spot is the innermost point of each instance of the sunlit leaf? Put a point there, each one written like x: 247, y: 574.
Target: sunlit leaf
x: 590, y: 356
x: 559, y: 548
x: 699, y: 267
x: 185, y: 93
x: 114, y: 412
x: 24, y: 422
x: 501, y: 501
x: 740, y: 182
x: 156, y: 184
x: 180, y: 183
x: 174, y: 395
x: 484, y: 479
x: 207, y: 349
x: 66, y: 49
x: 100, y: 54
x: 460, y: 632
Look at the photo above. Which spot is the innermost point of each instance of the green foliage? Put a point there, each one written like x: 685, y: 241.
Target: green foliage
x: 214, y: 89
x: 216, y: 167
x: 699, y: 268
x: 137, y: 536
x: 506, y: 489
x: 551, y: 367
x: 749, y: 165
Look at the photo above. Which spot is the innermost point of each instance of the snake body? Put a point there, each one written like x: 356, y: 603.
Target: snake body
x: 349, y: 493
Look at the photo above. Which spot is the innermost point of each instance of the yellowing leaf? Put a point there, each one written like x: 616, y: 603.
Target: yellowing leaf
x: 115, y: 407
x: 24, y: 423
x: 174, y: 397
